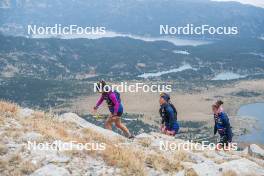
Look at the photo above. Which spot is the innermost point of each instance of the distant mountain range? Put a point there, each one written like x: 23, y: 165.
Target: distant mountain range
x: 141, y: 17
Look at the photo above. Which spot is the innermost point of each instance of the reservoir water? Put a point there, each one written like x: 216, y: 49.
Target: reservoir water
x: 255, y: 110
x: 228, y: 76
x: 160, y: 73
x: 112, y: 34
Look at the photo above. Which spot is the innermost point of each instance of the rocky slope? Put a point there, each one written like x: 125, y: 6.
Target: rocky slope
x: 142, y: 156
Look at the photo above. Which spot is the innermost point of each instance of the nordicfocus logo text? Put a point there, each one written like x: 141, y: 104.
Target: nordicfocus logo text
x: 58, y: 29
x: 133, y: 88
x: 191, y: 29
x: 65, y: 146
x: 190, y: 145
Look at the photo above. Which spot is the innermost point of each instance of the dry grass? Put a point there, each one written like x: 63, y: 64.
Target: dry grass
x: 133, y: 160
x: 213, y: 158
x: 126, y: 158
x: 3, y: 165
x: 129, y: 159
x: 47, y: 126
x: 14, y: 165
x: 13, y: 133
x: 3, y: 149
x: 90, y: 135
x: 14, y: 159
x: 207, y: 155
x: 145, y: 142
x: 159, y: 162
x: 8, y: 107
x: 2, y: 120
x: 229, y: 173
x: 219, y: 161
x: 38, y: 114
x: 190, y: 172
x: 27, y: 167
x: 53, y: 129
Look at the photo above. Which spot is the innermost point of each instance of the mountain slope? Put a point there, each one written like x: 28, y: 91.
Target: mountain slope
x: 142, y: 156
x: 136, y: 17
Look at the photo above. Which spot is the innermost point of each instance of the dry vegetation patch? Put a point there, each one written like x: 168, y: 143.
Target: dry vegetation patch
x: 8, y: 107
x: 130, y: 159
x: 229, y: 173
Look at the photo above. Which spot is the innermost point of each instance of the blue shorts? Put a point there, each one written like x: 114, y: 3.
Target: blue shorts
x: 175, y: 127
x: 119, y: 112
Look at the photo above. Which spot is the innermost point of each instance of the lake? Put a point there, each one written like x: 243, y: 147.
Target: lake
x: 160, y: 73
x: 255, y: 110
x: 228, y: 76
x: 111, y: 34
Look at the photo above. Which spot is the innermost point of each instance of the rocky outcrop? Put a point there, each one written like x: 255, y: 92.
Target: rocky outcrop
x: 50, y: 170
x: 255, y: 151
x: 25, y: 112
x: 145, y: 155
x: 72, y: 117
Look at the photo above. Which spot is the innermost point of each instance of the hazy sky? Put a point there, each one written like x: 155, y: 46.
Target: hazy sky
x: 259, y: 3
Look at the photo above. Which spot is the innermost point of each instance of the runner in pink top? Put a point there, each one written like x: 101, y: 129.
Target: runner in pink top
x: 113, y: 101
x: 114, y: 104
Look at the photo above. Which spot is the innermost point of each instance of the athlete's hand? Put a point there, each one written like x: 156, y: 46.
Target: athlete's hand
x: 162, y: 128
x: 95, y: 110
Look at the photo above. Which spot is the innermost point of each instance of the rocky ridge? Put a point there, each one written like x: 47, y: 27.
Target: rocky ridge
x: 144, y: 155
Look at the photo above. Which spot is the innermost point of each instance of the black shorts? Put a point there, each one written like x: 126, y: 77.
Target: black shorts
x: 119, y: 114
x: 223, y: 140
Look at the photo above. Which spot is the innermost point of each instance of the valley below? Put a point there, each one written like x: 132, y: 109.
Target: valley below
x: 53, y: 53
x: 57, y: 75
x: 192, y: 106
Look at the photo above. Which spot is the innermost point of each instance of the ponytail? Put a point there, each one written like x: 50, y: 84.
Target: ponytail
x: 218, y: 104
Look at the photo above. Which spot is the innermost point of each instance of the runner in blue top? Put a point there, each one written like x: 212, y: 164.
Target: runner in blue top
x: 168, y: 113
x: 222, y: 124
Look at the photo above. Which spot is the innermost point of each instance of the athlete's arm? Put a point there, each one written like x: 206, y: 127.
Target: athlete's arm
x: 227, y: 127
x: 113, y: 98
x: 171, y: 117
x: 99, y: 102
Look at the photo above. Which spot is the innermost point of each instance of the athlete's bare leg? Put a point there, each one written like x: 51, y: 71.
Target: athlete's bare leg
x: 109, y: 122
x: 121, y: 126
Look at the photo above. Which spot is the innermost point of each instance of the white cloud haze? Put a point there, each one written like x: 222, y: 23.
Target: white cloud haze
x: 258, y: 3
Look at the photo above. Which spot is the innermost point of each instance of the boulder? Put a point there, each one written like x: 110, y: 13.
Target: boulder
x: 51, y: 170
x: 242, y: 167
x: 244, y: 151
x: 47, y: 154
x: 206, y: 168
x: 144, y: 135
x: 255, y: 151
x: 32, y: 136
x: 72, y: 117
x: 25, y: 112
